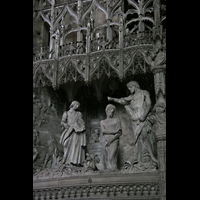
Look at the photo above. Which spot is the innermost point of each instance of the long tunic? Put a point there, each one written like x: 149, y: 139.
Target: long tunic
x: 73, y: 138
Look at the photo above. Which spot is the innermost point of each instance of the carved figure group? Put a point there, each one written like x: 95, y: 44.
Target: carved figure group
x: 145, y: 126
x: 41, y: 112
x: 137, y: 106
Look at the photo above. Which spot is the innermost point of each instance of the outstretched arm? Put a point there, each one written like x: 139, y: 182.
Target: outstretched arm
x: 121, y: 101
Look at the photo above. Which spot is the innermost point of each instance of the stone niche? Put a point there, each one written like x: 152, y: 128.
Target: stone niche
x: 93, y: 101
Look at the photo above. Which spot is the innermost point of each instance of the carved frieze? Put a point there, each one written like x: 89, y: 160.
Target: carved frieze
x: 100, y: 191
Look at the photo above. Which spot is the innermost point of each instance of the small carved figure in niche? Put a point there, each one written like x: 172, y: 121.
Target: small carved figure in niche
x: 158, y: 57
x: 111, y: 128
x: 159, y: 126
x: 35, y: 144
x: 95, y: 136
x: 73, y: 137
x: 44, y: 109
x: 51, y: 150
x: 91, y: 161
x: 52, y: 107
x: 37, y: 108
x: 138, y: 106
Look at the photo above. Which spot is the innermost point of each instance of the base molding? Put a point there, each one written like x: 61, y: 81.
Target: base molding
x: 114, y: 186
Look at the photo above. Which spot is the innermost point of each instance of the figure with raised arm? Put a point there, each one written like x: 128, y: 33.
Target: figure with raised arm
x: 138, y: 105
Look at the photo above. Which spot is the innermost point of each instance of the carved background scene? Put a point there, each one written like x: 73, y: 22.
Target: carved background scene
x: 88, y: 50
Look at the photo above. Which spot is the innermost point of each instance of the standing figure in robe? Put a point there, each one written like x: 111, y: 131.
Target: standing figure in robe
x: 138, y: 106
x: 111, y: 128
x: 73, y: 137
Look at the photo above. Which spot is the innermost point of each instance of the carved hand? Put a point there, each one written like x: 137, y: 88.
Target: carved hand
x: 108, y: 143
x: 110, y: 99
x: 142, y: 118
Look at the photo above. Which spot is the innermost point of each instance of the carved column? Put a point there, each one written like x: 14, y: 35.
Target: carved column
x: 157, y: 29
x: 161, y: 150
x: 51, y: 42
x: 121, y: 46
x: 79, y: 10
x: 87, y: 63
x: 159, y: 70
x: 55, y: 74
x: 109, y: 30
x: 159, y: 85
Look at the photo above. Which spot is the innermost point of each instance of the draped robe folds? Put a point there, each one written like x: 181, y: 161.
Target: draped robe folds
x: 73, y: 138
x: 135, y: 109
x: 159, y: 127
x: 112, y: 126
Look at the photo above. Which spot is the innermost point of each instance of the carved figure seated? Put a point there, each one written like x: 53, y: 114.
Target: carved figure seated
x: 111, y: 128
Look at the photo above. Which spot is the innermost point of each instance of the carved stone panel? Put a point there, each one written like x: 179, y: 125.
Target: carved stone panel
x: 94, y: 145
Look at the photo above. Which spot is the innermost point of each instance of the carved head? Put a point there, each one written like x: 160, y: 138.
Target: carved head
x: 110, y: 110
x: 158, y: 45
x: 74, y: 104
x: 132, y: 85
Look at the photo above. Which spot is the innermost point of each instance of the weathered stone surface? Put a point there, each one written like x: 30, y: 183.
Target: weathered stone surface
x: 86, y: 51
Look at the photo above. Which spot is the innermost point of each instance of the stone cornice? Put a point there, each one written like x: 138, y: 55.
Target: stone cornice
x: 103, y: 179
x: 121, y: 186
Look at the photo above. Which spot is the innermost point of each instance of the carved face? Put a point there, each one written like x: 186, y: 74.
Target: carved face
x: 131, y: 89
x: 74, y: 105
x: 110, y: 112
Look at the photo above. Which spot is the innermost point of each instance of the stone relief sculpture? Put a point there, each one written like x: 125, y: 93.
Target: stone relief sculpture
x: 51, y: 151
x: 111, y: 128
x: 95, y: 136
x: 158, y: 58
x: 138, y: 106
x: 73, y: 137
x: 35, y: 144
x: 159, y: 118
x: 91, y: 161
x: 41, y: 112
